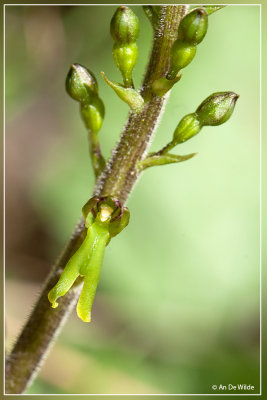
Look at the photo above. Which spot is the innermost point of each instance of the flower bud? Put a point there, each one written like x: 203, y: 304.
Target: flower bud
x: 188, y: 127
x: 217, y: 108
x: 81, y: 84
x: 193, y: 27
x: 124, y: 26
x: 181, y: 55
x: 125, y: 58
x: 93, y: 114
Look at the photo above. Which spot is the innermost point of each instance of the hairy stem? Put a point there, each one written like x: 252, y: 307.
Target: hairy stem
x: 116, y: 180
x: 98, y: 161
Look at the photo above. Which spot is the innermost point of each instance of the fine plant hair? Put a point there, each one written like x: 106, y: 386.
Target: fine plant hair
x: 178, y: 31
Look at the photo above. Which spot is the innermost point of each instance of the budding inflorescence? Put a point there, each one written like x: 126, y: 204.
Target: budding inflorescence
x: 124, y: 29
x: 105, y: 217
x: 191, y: 32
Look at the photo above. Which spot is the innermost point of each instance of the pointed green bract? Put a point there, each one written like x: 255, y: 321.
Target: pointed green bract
x: 128, y: 95
x: 156, y: 160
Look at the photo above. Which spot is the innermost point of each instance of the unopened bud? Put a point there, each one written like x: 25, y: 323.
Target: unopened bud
x: 124, y: 26
x: 81, y: 84
x: 193, y: 27
x: 181, y: 55
x: 217, y: 108
x: 125, y: 58
x: 188, y: 127
x: 124, y: 29
x: 93, y: 114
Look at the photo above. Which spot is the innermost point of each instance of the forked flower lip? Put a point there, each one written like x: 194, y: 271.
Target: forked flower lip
x: 104, y: 219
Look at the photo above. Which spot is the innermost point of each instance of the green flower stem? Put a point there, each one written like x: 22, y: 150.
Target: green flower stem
x: 98, y: 161
x: 117, y: 179
x: 43, y: 324
x: 169, y: 146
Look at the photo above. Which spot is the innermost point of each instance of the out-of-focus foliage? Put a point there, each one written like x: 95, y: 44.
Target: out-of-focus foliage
x: 177, y: 309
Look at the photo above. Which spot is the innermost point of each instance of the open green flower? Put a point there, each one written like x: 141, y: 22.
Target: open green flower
x: 104, y: 219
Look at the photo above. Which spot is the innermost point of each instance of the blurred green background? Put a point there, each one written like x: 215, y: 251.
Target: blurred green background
x: 177, y: 308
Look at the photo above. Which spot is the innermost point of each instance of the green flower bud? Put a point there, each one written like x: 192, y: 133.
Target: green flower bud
x: 124, y: 26
x: 181, y: 55
x: 124, y: 29
x: 125, y: 58
x: 193, y: 27
x: 217, y: 108
x: 93, y: 114
x: 188, y: 127
x: 81, y: 84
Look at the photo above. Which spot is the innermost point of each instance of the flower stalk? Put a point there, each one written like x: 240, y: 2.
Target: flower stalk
x: 117, y: 180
